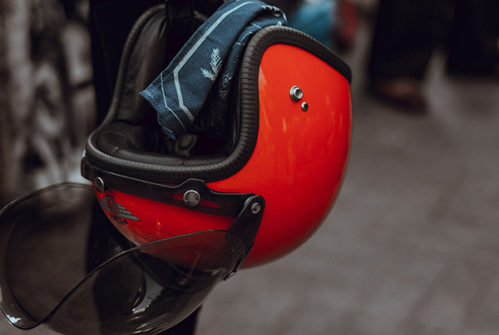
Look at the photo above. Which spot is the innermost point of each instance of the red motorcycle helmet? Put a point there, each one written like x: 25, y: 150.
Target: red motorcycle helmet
x: 173, y: 218
x: 288, y: 144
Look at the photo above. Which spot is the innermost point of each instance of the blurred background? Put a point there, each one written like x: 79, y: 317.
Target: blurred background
x: 47, y: 102
x: 411, y: 245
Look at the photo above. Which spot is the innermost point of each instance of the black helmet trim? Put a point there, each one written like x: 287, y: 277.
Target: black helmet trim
x: 172, y: 169
x: 285, y: 35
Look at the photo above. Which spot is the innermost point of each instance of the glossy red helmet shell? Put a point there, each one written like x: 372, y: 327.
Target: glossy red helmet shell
x: 292, y: 149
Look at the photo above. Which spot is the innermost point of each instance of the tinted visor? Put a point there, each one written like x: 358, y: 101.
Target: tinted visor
x: 63, y: 263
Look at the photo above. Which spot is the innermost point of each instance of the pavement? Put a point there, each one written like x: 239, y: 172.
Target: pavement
x: 411, y: 246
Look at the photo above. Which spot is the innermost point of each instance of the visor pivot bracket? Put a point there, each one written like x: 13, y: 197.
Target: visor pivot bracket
x: 192, y: 198
x: 304, y: 106
x: 99, y: 185
x: 295, y: 93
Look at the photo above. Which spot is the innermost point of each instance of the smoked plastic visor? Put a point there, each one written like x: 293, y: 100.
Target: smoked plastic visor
x: 63, y: 263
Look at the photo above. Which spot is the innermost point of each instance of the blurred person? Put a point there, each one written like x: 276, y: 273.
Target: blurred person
x: 407, y: 33
x: 315, y: 18
x: 346, y: 25
x: 332, y: 22
x: 287, y: 6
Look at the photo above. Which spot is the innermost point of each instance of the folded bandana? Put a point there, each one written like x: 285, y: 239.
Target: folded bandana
x: 209, y: 60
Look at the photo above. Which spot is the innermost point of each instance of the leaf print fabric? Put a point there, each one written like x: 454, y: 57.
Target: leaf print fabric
x: 208, y: 61
x: 215, y: 63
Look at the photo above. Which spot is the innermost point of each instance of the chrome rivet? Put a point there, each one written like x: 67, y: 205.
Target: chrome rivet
x: 304, y: 106
x: 99, y: 184
x: 192, y: 198
x: 256, y: 208
x: 295, y: 93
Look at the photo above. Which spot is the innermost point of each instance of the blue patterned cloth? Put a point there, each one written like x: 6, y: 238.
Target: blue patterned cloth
x: 209, y: 60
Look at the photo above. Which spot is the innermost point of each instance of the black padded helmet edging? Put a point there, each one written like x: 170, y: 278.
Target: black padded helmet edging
x: 285, y: 35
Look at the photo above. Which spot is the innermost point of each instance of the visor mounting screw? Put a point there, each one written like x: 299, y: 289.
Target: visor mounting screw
x: 99, y: 185
x: 304, y: 106
x: 256, y: 208
x: 296, y: 93
x: 192, y: 198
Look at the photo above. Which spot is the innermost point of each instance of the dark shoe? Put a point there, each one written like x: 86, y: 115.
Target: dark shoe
x: 404, y: 93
